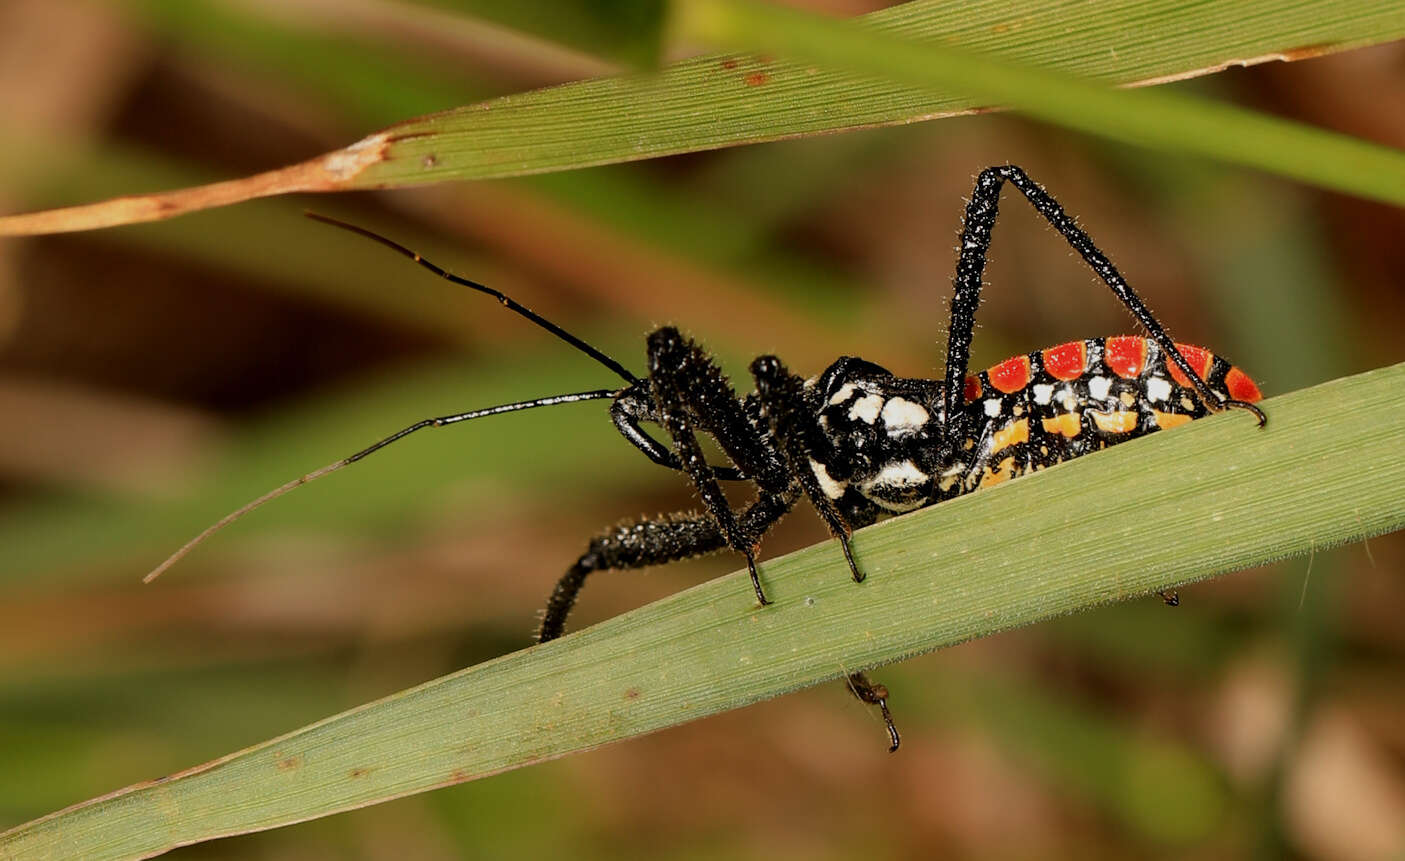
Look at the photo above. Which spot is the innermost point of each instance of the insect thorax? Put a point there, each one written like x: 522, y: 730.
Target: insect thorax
x: 884, y: 436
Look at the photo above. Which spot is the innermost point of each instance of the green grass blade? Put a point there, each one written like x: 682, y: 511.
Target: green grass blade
x: 1161, y: 120
x: 1215, y: 496
x: 711, y: 102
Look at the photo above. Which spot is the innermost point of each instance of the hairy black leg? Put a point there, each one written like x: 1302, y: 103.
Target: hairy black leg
x: 875, y: 695
x: 975, y: 244
x: 650, y: 542
x: 634, y: 405
x: 691, y: 395
x: 799, y: 438
x: 1170, y: 597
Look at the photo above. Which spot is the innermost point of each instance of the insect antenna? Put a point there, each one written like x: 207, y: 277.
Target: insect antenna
x: 441, y: 421
x: 507, y: 302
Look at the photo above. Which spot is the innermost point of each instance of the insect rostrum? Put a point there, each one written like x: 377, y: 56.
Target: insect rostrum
x: 857, y: 442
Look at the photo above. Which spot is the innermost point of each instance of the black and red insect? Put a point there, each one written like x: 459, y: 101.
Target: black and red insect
x: 856, y: 441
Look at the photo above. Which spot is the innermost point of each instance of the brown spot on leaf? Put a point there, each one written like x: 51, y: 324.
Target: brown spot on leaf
x: 631, y: 694
x: 344, y: 164
x: 1307, y: 52
x: 430, y: 160
x: 360, y: 772
x: 407, y: 136
x: 756, y: 79
x: 729, y: 64
x: 289, y: 763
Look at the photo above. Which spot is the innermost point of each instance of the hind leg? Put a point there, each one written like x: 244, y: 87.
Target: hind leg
x: 650, y: 542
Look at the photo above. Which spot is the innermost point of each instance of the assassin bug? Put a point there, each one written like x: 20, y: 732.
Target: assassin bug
x: 856, y: 441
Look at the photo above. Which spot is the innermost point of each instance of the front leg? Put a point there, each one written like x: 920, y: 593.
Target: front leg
x: 692, y: 395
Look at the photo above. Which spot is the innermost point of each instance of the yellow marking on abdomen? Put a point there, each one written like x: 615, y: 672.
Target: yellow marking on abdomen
x: 1166, y: 421
x: 1122, y: 421
x: 1004, y: 471
x: 1016, y: 432
x: 1068, y: 424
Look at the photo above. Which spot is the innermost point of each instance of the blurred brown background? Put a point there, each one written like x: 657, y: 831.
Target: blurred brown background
x: 153, y: 377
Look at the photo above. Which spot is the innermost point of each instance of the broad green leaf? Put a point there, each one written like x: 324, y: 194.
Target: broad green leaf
x: 1217, y: 495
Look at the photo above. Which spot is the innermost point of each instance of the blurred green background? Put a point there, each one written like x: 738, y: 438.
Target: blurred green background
x: 154, y: 377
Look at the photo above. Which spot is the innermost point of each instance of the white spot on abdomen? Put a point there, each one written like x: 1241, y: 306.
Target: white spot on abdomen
x: 992, y: 407
x: 1098, y: 388
x: 1157, y: 389
x: 1043, y: 393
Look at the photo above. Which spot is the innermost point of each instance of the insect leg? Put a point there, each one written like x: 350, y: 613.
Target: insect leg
x: 875, y: 695
x: 651, y: 542
x: 798, y: 436
x: 975, y: 245
x: 691, y: 395
x: 628, y: 410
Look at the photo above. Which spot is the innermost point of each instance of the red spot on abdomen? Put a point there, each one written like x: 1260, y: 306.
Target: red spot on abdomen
x: 973, y: 388
x: 1126, y: 356
x: 1066, y: 361
x: 1240, y: 387
x: 1010, y: 375
x: 1199, y: 359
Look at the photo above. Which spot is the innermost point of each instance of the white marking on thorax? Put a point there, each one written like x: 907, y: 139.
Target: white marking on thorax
x: 899, y: 475
x: 833, y: 489
x: 866, y: 408
x: 992, y: 407
x: 1098, y: 387
x: 845, y: 391
x: 1157, y: 389
x: 899, y: 506
x: 1043, y: 393
x: 902, y: 416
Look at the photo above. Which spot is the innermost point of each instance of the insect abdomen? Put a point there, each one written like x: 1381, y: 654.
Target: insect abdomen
x: 1033, y: 411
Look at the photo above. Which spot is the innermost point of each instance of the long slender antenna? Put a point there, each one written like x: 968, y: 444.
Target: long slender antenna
x: 441, y: 421
x: 506, y: 301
